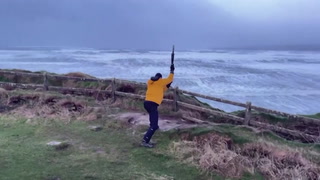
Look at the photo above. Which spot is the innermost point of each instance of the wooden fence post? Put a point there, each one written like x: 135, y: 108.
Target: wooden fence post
x: 113, y: 93
x: 15, y: 78
x: 175, y: 99
x: 45, y: 81
x: 247, y: 114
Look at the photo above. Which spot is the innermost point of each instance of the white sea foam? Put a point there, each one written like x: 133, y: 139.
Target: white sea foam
x: 282, y: 80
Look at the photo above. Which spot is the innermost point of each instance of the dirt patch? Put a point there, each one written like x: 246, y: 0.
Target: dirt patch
x: 214, y: 152
x: 51, y: 100
x: 72, y: 106
x: 16, y: 100
x: 128, y: 88
x: 165, y: 123
x: 22, y: 99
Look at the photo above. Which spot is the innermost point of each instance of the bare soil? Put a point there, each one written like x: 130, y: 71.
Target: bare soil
x: 165, y: 123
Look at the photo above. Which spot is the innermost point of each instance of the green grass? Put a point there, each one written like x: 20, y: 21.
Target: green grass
x: 238, y: 135
x: 87, y: 84
x: 273, y: 119
x: 112, y: 153
x: 314, y: 116
x: 4, y: 79
x: 34, y: 80
x: 42, y: 72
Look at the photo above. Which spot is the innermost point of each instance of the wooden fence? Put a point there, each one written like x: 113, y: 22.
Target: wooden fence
x: 176, y: 103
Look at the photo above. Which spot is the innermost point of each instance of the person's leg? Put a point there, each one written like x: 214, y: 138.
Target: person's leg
x: 152, y: 109
x: 153, y: 126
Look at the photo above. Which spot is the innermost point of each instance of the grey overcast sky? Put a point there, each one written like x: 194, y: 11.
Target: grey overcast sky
x: 157, y: 24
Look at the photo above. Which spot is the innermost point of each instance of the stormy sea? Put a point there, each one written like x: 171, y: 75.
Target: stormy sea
x: 287, y: 81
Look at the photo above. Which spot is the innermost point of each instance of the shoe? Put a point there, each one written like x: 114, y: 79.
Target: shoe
x: 145, y: 144
x: 153, y: 143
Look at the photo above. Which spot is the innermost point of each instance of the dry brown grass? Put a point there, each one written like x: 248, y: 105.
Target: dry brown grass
x: 3, y: 93
x: 216, y: 153
x: 41, y: 105
x: 8, y: 87
x: 280, y: 163
x: 211, y: 152
x: 124, y: 103
x: 78, y: 74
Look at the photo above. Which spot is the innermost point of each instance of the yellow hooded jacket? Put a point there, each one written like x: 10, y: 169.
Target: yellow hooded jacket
x: 157, y: 88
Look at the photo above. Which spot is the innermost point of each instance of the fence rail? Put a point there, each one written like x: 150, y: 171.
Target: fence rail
x: 63, y: 77
x: 176, y: 103
x: 250, y: 107
x: 214, y: 98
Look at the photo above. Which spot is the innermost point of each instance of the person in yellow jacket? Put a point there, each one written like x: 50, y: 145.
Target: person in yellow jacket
x: 156, y: 87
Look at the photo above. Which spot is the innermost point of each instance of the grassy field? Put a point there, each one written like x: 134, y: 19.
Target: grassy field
x: 211, y: 152
x: 112, y: 153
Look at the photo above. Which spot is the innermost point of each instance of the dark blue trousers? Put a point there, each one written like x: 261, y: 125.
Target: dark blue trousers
x: 152, y: 109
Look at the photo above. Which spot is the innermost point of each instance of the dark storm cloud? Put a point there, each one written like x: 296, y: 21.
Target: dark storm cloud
x: 144, y: 24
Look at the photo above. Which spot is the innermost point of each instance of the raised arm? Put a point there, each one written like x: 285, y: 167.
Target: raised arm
x: 169, y: 79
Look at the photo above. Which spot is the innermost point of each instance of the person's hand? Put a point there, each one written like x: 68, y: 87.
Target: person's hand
x: 172, y: 68
x: 168, y: 85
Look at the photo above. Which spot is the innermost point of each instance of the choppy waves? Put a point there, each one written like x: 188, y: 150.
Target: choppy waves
x: 284, y: 80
